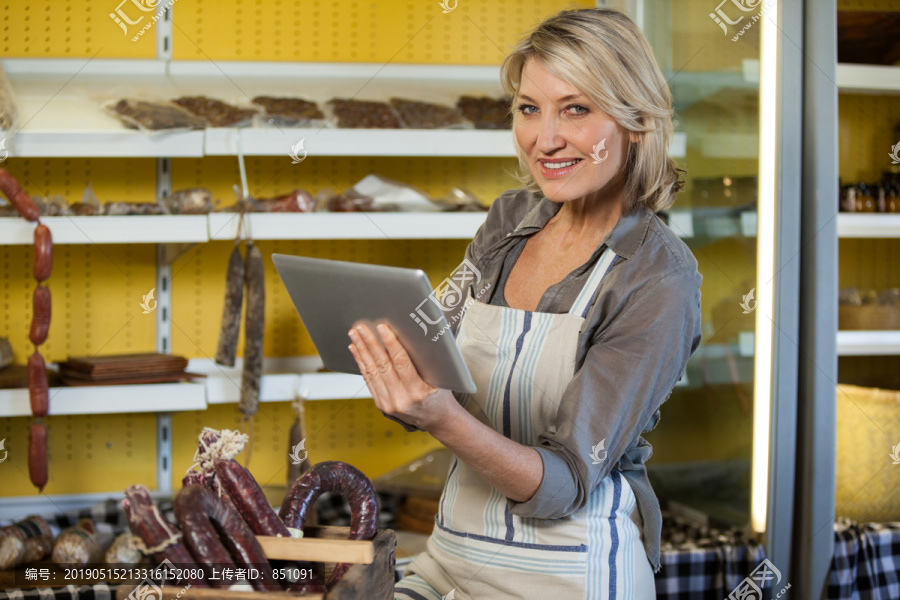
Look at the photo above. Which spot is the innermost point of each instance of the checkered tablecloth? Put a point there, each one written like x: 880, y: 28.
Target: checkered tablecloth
x: 866, y: 561
x: 110, y: 520
x: 696, y: 562
x: 703, y: 562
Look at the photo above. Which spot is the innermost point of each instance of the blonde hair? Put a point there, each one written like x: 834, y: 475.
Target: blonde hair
x: 604, y: 54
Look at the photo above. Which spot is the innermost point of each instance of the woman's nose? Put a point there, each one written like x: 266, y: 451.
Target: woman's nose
x: 549, y: 134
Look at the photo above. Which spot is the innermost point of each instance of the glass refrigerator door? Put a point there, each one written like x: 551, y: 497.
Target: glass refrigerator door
x: 713, y: 446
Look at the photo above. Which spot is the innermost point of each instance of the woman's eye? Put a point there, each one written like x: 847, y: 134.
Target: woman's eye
x: 527, y: 109
x: 577, y: 109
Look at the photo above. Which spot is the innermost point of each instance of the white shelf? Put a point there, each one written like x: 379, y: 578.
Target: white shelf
x: 283, y: 379
x: 872, y: 79
x: 868, y: 343
x: 868, y: 225
x: 109, y: 399
x: 145, y: 229
x: 346, y: 226
x: 60, y: 101
x: 361, y: 142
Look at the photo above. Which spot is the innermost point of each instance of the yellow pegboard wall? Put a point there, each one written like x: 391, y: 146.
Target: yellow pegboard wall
x: 96, y: 290
x: 89, y: 453
x: 868, y: 126
x: 869, y: 263
x: 198, y: 287
x: 73, y: 29
x: 354, y: 31
x: 353, y: 431
x: 112, y: 179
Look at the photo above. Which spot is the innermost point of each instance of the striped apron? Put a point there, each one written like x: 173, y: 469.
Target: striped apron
x: 522, y: 362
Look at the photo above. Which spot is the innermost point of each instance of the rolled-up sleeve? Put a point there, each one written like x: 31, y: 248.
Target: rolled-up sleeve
x: 635, y: 359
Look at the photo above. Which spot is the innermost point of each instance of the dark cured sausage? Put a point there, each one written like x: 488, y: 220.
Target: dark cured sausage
x: 344, y: 479
x: 37, y: 385
x: 43, y: 252
x: 231, y: 312
x: 161, y: 538
x: 197, y: 510
x: 37, y: 455
x: 40, y: 315
x: 254, y: 328
x: 249, y: 499
x: 18, y: 197
x: 240, y: 488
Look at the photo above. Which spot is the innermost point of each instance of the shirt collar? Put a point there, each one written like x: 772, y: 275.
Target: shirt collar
x: 625, y: 238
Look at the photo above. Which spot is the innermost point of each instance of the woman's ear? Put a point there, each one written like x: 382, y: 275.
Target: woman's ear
x: 634, y: 137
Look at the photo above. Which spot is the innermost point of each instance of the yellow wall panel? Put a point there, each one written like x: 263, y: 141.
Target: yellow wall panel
x: 867, y: 128
x: 112, y: 179
x: 354, y: 30
x: 74, y: 29
x: 89, y: 453
x: 198, y: 286
x: 96, y: 291
x: 353, y: 431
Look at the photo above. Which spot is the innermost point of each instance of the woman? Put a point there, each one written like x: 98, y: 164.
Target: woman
x: 589, y: 311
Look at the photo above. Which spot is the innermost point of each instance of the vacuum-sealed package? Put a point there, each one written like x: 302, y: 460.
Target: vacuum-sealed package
x: 215, y: 112
x: 425, y: 115
x: 153, y: 116
x: 288, y: 112
x: 363, y: 114
x: 485, y: 112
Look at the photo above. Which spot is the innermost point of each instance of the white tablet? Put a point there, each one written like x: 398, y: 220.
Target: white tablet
x: 332, y: 296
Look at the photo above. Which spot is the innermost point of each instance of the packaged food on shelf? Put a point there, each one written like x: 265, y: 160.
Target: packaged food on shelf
x: 363, y: 114
x: 297, y: 201
x: 150, y: 116
x: 868, y: 309
x: 415, y: 114
x: 191, y: 201
x: 485, y: 112
x: 288, y: 112
x: 6, y: 353
x: 215, y: 112
x: 132, y: 208
x: 89, y: 205
x: 9, y: 114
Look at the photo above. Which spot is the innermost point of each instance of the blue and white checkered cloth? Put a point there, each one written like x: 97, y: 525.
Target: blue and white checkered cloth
x: 696, y: 563
x: 866, y: 561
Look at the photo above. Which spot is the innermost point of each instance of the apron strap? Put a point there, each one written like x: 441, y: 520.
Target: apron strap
x: 583, y: 301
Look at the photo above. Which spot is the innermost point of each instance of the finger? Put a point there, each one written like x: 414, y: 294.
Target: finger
x: 376, y: 350
x: 384, y: 366
x: 374, y: 389
x: 371, y: 371
x: 406, y: 370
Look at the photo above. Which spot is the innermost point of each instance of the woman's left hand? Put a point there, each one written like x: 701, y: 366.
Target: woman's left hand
x: 394, y: 382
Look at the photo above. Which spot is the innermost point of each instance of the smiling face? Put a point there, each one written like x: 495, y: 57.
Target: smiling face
x: 573, y: 149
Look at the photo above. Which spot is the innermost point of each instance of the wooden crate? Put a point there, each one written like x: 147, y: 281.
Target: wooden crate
x: 372, y: 581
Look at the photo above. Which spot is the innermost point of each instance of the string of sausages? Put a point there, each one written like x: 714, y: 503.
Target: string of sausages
x: 221, y: 509
x: 38, y: 391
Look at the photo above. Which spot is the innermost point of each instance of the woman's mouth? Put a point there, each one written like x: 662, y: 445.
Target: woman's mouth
x: 552, y: 169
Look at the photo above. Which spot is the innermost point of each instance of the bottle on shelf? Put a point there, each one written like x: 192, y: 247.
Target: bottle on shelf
x: 865, y: 201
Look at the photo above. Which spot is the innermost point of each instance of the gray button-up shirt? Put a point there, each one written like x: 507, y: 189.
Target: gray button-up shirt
x: 640, y: 331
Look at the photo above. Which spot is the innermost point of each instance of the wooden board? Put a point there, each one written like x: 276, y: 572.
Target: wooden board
x: 115, y: 365
x: 317, y: 549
